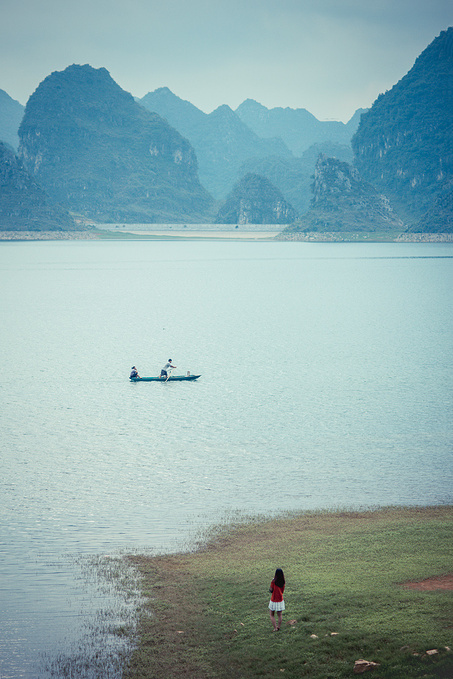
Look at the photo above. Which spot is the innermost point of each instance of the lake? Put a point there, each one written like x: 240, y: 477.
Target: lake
x: 327, y: 373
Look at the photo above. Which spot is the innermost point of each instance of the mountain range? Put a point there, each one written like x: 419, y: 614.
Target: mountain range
x: 228, y: 143
x: 298, y: 128
x: 73, y: 144
x: 101, y: 155
x: 222, y: 142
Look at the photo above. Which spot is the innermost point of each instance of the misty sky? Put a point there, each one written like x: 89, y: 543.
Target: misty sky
x: 328, y: 56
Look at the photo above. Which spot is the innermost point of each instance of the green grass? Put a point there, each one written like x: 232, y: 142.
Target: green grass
x: 207, y: 610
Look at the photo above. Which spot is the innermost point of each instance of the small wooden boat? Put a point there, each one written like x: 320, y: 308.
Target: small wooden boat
x: 171, y: 378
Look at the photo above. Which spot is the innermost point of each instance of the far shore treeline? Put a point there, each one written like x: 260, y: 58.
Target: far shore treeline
x: 85, y: 152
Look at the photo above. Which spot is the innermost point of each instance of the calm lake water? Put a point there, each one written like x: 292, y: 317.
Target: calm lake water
x: 327, y: 373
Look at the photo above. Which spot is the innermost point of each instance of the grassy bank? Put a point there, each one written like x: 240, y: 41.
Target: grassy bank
x: 345, y: 599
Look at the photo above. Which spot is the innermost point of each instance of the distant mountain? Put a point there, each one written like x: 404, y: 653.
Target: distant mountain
x: 343, y: 202
x: 24, y: 206
x: 254, y: 200
x: 180, y: 114
x: 298, y: 128
x: 102, y: 155
x: 222, y: 141
x: 404, y: 143
x: 294, y: 176
x: 11, y: 113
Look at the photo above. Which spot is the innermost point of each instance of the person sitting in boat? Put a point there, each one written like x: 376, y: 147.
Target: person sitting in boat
x: 134, y: 373
x: 167, y: 366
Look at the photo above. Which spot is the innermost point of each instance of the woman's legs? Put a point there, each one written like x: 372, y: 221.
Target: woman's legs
x: 274, y: 624
x: 279, y: 614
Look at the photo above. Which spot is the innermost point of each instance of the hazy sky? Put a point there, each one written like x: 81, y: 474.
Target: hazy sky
x: 328, y: 56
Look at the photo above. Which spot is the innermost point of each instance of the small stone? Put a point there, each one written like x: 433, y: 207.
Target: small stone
x: 334, y: 634
x: 433, y: 651
x: 314, y: 636
x: 362, y: 665
x: 447, y: 648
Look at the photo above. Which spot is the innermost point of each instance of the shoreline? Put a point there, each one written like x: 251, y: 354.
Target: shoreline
x: 351, y: 594
x: 222, y: 235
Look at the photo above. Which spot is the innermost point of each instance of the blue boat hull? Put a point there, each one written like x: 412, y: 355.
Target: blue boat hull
x: 172, y: 378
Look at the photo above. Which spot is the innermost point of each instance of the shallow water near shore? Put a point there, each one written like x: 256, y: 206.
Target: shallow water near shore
x: 327, y: 374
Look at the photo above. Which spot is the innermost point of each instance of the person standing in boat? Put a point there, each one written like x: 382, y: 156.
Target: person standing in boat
x: 134, y: 372
x: 168, y: 366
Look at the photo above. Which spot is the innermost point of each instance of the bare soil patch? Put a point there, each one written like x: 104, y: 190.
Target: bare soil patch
x: 430, y: 584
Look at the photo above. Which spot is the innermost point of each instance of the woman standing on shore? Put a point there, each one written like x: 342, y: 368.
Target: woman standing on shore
x: 276, y: 603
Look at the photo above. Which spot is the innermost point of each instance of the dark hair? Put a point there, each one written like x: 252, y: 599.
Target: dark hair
x: 279, y: 578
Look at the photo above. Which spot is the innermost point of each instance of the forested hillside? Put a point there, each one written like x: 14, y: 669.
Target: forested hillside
x: 102, y: 155
x: 404, y: 144
x: 24, y: 206
x: 254, y: 200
